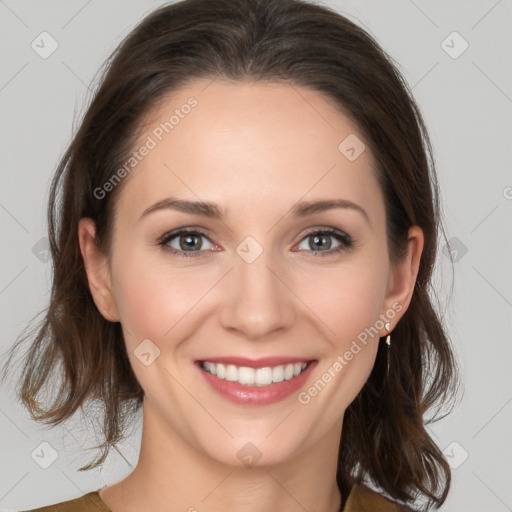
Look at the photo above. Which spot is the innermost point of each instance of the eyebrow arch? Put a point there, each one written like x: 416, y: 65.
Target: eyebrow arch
x: 214, y: 211
x: 309, y: 208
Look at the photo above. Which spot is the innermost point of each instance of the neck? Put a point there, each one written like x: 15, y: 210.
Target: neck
x: 173, y: 475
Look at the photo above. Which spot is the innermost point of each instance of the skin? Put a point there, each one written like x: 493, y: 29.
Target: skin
x: 254, y: 149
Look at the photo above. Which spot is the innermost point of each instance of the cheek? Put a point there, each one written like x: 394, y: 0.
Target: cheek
x: 347, y: 300
x: 151, y: 298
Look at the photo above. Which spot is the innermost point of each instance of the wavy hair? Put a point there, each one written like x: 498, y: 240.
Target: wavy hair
x: 385, y: 440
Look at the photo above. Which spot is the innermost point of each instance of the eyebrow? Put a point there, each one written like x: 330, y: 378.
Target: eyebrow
x: 212, y: 210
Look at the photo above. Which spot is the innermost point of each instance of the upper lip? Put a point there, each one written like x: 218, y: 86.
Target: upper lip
x: 263, y: 362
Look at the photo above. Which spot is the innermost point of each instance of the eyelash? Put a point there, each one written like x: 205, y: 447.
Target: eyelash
x: 346, y: 242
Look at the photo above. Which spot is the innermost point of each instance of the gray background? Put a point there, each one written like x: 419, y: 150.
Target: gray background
x: 466, y: 101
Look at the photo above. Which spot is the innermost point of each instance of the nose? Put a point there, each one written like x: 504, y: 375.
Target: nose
x: 258, y: 299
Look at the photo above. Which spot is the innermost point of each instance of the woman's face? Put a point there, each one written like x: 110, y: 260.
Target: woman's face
x: 249, y: 286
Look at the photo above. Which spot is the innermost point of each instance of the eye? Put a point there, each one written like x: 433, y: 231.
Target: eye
x: 186, y: 243
x: 320, y: 241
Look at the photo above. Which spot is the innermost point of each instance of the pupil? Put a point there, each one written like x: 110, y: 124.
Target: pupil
x: 317, y: 238
x: 188, y: 241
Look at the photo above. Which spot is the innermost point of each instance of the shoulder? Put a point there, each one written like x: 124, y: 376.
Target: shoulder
x: 363, y: 499
x: 90, y: 502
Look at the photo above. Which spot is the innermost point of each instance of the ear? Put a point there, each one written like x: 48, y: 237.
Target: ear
x: 403, y: 277
x: 97, y: 270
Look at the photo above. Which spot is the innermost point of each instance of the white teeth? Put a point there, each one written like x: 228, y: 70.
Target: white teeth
x: 246, y: 376
x: 231, y: 372
x: 252, y: 376
x: 263, y: 377
x: 278, y: 374
x: 221, y: 370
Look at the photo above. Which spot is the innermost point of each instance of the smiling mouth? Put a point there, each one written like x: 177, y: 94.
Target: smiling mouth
x: 259, y: 377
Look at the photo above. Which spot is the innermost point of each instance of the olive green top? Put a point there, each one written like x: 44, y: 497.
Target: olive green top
x: 360, y: 499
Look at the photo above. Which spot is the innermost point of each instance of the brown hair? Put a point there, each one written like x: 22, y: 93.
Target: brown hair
x: 290, y: 41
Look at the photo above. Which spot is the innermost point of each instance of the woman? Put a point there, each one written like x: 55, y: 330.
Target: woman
x: 243, y: 233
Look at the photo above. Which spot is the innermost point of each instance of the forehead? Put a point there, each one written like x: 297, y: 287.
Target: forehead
x: 248, y: 143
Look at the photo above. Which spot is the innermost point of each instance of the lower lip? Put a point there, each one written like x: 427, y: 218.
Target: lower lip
x: 256, y: 395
